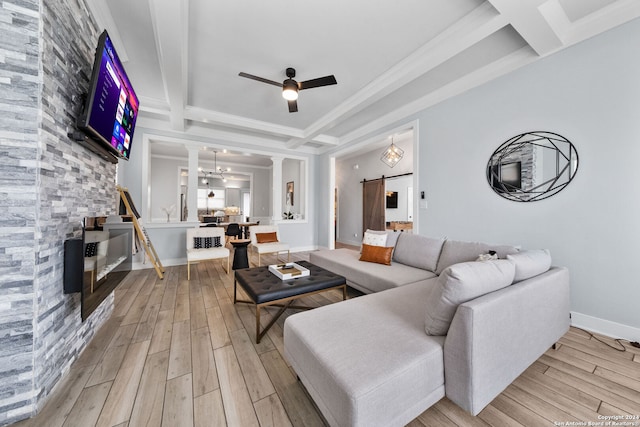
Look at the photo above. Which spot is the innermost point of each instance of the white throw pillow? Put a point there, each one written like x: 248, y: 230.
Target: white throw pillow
x: 530, y: 263
x: 372, y: 238
x: 460, y: 283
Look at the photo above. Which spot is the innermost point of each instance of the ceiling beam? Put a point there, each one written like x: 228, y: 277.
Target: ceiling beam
x: 472, y: 28
x: 237, y: 122
x: 505, y: 65
x: 527, y: 19
x: 170, y: 22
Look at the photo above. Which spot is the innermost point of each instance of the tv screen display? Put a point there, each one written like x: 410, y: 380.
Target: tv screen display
x: 507, y: 177
x: 392, y: 200
x: 111, y: 107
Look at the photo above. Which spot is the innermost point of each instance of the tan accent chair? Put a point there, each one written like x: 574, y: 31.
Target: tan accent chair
x: 267, y: 248
x: 194, y: 255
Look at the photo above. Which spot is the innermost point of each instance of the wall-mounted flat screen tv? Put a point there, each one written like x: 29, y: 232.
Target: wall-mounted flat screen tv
x: 111, y: 106
x: 392, y: 199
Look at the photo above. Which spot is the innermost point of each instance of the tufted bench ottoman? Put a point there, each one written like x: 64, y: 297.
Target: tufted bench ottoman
x: 265, y: 289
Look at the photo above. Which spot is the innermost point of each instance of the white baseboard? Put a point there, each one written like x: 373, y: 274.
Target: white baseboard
x: 183, y: 261
x: 605, y: 327
x: 165, y: 263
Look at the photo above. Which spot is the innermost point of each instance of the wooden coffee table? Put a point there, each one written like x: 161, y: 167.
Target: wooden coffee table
x: 266, y: 289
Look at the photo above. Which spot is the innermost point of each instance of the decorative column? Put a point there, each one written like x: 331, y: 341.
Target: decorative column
x: 192, y: 182
x: 276, y: 192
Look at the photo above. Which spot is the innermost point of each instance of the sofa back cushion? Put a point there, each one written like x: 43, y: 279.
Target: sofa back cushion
x: 530, y: 263
x: 460, y: 283
x: 454, y: 252
x: 418, y: 251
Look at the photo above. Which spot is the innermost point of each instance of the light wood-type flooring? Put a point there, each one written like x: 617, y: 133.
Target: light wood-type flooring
x: 179, y: 353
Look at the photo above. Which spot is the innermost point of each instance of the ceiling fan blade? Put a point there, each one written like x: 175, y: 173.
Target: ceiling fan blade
x: 322, y: 81
x: 260, y: 79
x: 293, y: 106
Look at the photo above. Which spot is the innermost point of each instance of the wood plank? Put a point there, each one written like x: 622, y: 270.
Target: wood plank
x: 161, y: 338
x: 208, y: 295
x: 248, y: 318
x: 137, y: 308
x: 609, y: 410
x: 178, y: 402
x: 555, y: 398
x: 231, y: 318
x: 94, y: 350
x: 123, y: 335
x: 618, y: 377
x: 209, y: 410
x: 539, y: 406
x: 180, y: 351
x: 432, y: 417
x: 458, y: 415
x: 578, y: 396
x: 271, y: 413
x: 117, y: 408
x: 198, y: 314
x: 235, y: 396
x: 494, y: 417
x: 518, y: 412
x: 291, y: 393
x: 600, y: 388
x: 61, y: 403
x: 205, y: 376
x: 182, y: 311
x: 628, y: 367
x: 88, y: 406
x: 255, y: 376
x: 108, y: 367
x: 217, y: 328
x: 568, y: 359
x: 147, y: 410
x: 147, y: 323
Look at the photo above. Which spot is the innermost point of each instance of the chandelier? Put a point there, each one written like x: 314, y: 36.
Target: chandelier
x: 392, y: 155
x: 217, y: 171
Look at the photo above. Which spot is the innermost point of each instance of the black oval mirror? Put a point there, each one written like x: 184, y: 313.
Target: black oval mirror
x: 532, y: 166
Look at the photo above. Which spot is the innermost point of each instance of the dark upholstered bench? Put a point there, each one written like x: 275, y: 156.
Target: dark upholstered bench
x: 265, y: 289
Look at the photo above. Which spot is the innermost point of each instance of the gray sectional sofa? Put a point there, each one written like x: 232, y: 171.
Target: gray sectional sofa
x: 435, y: 323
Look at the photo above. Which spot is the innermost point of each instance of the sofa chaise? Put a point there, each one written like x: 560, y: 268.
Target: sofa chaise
x: 435, y: 323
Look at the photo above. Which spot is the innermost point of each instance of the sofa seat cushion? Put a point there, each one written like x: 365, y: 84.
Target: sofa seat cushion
x: 461, y: 283
x: 454, y: 252
x: 367, y: 361
x: 366, y: 276
x: 206, y: 254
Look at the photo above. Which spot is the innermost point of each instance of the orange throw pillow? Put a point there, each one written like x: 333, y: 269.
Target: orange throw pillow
x: 267, y: 237
x: 377, y: 254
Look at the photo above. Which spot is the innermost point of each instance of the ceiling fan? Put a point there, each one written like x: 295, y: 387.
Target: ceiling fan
x: 291, y: 87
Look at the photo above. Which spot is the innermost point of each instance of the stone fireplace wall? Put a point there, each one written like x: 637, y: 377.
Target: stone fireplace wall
x: 49, y: 184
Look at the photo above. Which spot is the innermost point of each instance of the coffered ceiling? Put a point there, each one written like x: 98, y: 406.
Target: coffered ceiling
x: 390, y: 58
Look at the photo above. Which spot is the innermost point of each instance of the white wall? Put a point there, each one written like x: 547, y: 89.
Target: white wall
x: 590, y: 94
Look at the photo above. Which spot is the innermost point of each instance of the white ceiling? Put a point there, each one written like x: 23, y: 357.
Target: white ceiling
x: 390, y: 58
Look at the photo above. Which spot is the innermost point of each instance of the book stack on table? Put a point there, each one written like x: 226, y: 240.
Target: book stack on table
x: 287, y: 271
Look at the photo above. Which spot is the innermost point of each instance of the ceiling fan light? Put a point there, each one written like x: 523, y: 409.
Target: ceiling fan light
x: 290, y: 90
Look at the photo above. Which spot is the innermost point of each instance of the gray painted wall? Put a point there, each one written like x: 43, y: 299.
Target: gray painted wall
x: 48, y: 185
x: 589, y: 94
